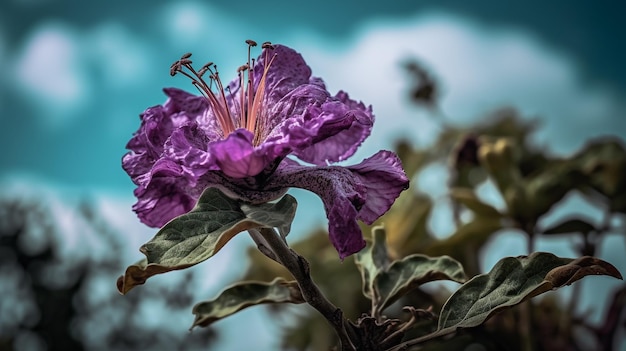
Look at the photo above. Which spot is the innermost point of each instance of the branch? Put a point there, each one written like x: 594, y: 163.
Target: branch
x: 299, y: 268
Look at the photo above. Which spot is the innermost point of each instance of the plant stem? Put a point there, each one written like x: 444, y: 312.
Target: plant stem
x: 262, y: 244
x: 300, y: 270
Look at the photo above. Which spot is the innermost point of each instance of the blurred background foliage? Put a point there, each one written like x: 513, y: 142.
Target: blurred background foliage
x: 54, y: 302
x: 530, y: 182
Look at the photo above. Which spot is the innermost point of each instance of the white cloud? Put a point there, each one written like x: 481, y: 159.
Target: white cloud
x: 49, y: 68
x: 55, y: 69
x: 125, y: 60
x: 187, y: 20
x: 479, y: 68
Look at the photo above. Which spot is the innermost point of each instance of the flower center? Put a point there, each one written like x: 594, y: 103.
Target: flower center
x: 244, y: 108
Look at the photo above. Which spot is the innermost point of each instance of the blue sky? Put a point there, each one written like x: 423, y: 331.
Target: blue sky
x: 75, y: 89
x: 77, y: 75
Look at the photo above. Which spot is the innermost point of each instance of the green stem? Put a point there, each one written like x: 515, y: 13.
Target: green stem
x: 300, y: 270
x: 262, y: 244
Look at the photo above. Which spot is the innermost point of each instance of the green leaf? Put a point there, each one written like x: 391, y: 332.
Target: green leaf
x: 512, y: 281
x: 199, y: 234
x: 243, y: 295
x: 603, y: 161
x: 412, y: 271
x: 372, y: 260
x: 571, y: 226
x: 547, y: 188
x: 468, y: 198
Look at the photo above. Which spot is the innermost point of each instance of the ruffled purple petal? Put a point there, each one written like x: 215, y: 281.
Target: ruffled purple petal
x: 158, y: 123
x: 340, y: 125
x: 237, y: 157
x: 183, y: 107
x: 342, y: 198
x: 181, y: 101
x: 137, y: 165
x: 146, y: 145
x: 321, y: 128
x: 155, y: 128
x: 160, y: 203
x: 300, y: 129
x: 361, y: 192
x: 384, y: 179
x: 162, y: 195
x: 188, y: 147
x: 287, y: 72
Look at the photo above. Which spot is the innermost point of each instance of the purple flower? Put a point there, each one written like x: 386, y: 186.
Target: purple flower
x: 238, y: 137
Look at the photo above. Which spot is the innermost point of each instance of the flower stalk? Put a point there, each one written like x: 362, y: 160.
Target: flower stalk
x: 299, y: 268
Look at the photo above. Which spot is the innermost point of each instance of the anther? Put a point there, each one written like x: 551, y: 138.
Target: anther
x: 206, y: 67
x: 185, y: 62
x: 243, y: 68
x: 267, y: 45
x: 175, y: 67
x: 186, y: 56
x: 251, y: 42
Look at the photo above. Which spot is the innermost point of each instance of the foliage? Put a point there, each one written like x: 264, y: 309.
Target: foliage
x: 199, y: 234
x: 531, y: 182
x: 50, y: 299
x: 382, y: 302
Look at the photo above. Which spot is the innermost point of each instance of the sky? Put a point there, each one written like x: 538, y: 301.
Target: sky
x: 80, y: 76
x: 77, y: 75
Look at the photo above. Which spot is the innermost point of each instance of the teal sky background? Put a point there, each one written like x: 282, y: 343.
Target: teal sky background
x: 76, y: 75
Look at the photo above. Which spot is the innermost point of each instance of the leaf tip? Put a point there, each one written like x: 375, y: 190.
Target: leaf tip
x: 120, y: 285
x: 125, y: 283
x: 579, y: 268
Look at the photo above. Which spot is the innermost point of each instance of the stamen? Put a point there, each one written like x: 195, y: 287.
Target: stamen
x: 250, y: 89
x: 242, y: 113
x: 248, y: 113
x: 258, y: 102
x: 204, y: 69
x: 220, y: 108
x: 174, y: 68
x: 223, y: 96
